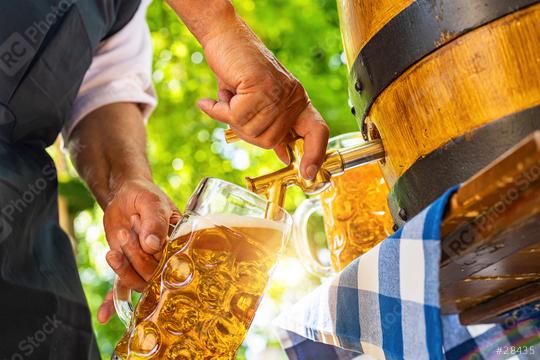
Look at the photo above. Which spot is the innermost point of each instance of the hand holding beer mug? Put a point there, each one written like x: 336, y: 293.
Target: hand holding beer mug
x: 355, y: 212
x: 201, y: 300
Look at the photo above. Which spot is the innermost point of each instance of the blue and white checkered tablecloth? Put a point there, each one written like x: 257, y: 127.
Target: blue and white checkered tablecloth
x: 386, y: 305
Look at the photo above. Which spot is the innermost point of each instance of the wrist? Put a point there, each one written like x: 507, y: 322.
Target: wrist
x: 119, y: 178
x: 225, y: 21
x: 207, y: 19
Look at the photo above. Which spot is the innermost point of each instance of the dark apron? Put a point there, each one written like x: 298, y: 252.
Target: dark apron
x: 46, y: 47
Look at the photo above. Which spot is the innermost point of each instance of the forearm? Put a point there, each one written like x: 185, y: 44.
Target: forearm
x: 108, y: 147
x: 205, y: 18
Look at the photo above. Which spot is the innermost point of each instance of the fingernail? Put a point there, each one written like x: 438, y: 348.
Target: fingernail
x: 153, y: 242
x: 114, y: 259
x: 311, y: 171
x: 103, y: 314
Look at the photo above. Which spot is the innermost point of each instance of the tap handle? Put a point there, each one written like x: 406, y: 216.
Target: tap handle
x: 230, y: 136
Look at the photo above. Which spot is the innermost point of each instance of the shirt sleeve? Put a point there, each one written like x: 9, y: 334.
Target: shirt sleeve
x: 121, y: 71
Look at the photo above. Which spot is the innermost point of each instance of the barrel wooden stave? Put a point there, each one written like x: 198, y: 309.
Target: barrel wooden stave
x: 482, y: 76
x: 360, y: 20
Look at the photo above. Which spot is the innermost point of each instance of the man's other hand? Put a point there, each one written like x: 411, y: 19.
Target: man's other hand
x: 259, y: 99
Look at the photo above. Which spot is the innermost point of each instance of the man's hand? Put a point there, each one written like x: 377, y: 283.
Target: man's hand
x: 259, y: 99
x: 136, y: 225
x: 113, y: 163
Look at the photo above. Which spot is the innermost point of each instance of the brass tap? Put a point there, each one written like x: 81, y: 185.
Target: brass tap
x: 274, y: 185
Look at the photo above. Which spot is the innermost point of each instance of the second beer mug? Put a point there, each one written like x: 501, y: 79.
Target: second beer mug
x: 355, y: 212
x: 202, y: 299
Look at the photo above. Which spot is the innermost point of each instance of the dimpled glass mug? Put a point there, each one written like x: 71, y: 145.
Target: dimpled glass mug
x: 202, y: 298
x: 355, y: 212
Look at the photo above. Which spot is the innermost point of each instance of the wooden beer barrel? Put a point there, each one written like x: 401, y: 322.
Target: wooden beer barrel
x: 448, y: 85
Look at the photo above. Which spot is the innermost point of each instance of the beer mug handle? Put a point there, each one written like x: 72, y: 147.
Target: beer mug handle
x: 301, y: 240
x: 122, y: 302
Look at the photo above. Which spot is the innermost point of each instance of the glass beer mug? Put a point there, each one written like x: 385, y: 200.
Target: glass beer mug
x: 355, y: 212
x: 202, y: 298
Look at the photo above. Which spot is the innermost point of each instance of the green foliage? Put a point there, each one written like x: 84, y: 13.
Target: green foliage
x: 185, y: 145
x: 79, y: 197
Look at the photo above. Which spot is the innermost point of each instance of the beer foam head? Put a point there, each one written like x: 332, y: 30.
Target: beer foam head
x: 227, y: 220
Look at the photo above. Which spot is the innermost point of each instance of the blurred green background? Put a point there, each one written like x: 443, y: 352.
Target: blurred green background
x: 185, y: 145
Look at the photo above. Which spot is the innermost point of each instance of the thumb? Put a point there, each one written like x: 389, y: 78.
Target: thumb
x: 155, y: 212
x: 311, y: 126
x: 217, y: 110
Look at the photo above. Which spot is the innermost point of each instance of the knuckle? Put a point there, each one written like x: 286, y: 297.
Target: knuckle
x: 294, y: 89
x: 163, y: 213
x: 299, y: 89
x: 151, y: 197
x: 122, y: 273
x: 325, y: 129
x: 267, y: 143
x: 239, y: 120
x: 252, y: 132
x: 266, y: 115
x: 275, y: 92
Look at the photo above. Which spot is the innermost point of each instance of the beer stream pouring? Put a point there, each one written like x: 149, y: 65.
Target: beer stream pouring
x: 274, y: 185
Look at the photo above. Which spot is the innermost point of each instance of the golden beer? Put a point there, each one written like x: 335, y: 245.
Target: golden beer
x: 356, y: 217
x: 203, y: 296
x: 355, y: 212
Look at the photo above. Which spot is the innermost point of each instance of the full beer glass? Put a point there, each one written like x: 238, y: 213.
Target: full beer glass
x: 202, y: 298
x: 355, y: 212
